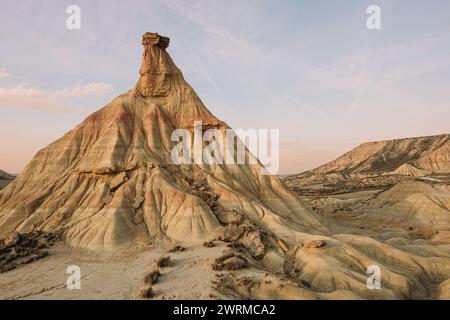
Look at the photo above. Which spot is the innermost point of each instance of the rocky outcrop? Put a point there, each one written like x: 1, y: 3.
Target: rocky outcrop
x: 157, y: 68
x: 154, y: 39
x: 19, y: 249
x: 111, y: 180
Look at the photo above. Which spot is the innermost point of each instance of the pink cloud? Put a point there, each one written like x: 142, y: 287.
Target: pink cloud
x: 94, y: 88
x: 23, y: 96
x: 4, y: 74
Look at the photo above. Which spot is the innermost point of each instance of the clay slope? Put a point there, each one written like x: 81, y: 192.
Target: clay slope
x: 397, y: 193
x: 398, y: 185
x: 411, y: 156
x: 111, y: 181
x: 411, y: 209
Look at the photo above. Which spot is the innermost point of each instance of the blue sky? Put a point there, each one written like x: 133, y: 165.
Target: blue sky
x: 310, y: 68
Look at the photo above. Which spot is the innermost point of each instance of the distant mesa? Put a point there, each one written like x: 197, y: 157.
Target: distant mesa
x: 6, y: 176
x: 5, y: 179
x: 410, y: 157
x: 158, y: 72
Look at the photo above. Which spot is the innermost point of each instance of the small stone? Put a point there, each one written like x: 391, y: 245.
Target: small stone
x: 13, y: 238
x: 152, y: 277
x: 205, y: 196
x: 253, y: 242
x: 209, y: 244
x: 230, y: 233
x: 198, y: 184
x: 164, y: 262
x: 315, y: 244
x: 305, y: 283
x: 148, y: 293
x: 177, y: 248
x: 283, y: 245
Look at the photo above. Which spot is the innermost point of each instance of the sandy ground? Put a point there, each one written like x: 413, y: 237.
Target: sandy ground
x: 113, y: 275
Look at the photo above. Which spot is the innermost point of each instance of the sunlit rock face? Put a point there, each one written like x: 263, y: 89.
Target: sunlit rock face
x: 111, y: 180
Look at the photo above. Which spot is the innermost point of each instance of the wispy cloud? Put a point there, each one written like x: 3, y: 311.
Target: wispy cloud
x: 207, y: 75
x: 207, y: 16
x: 382, y: 68
x: 4, y: 74
x: 82, y: 90
x: 23, y: 96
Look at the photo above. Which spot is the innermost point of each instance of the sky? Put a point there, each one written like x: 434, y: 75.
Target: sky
x: 311, y: 69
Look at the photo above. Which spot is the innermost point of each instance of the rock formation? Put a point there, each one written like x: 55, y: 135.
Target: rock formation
x: 6, y: 176
x: 411, y: 156
x: 397, y: 188
x: 5, y: 179
x: 111, y: 181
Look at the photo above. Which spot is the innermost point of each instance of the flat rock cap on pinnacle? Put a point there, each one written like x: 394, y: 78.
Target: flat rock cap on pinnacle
x: 153, y: 38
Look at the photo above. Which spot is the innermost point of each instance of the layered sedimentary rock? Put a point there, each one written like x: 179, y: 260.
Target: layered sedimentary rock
x: 111, y: 180
x: 409, y: 157
x: 424, y: 153
x: 157, y: 72
x: 396, y: 189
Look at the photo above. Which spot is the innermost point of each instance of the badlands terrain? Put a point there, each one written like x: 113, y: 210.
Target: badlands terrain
x: 5, y: 178
x: 106, y: 197
x: 391, y: 187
